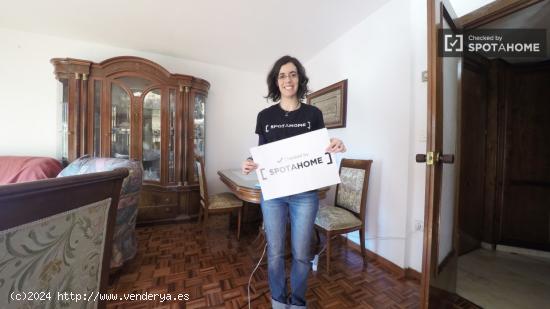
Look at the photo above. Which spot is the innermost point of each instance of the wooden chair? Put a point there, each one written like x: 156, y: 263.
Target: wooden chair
x: 224, y: 202
x: 348, y: 212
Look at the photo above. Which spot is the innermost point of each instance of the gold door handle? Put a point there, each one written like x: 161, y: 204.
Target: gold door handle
x: 420, y: 158
x: 427, y: 158
x: 448, y: 158
x: 430, y: 158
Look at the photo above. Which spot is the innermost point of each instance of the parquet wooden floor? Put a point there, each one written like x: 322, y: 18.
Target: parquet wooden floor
x: 213, y: 268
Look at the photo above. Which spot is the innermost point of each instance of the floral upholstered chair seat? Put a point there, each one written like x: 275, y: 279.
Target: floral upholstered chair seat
x: 335, y: 218
x: 124, y: 238
x: 224, y: 200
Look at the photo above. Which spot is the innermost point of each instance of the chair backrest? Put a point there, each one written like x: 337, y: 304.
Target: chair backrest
x: 199, y: 164
x: 55, y: 236
x: 351, y: 193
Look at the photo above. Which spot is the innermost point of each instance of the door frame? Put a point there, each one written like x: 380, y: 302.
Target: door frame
x: 474, y: 19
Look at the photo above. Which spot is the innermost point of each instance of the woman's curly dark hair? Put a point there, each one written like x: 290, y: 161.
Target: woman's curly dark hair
x: 273, y: 88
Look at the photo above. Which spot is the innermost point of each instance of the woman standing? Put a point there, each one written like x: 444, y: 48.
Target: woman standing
x: 287, y: 85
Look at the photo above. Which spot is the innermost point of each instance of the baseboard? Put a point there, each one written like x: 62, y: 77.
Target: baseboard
x: 486, y: 246
x: 516, y: 250
x: 407, y: 273
x: 412, y: 274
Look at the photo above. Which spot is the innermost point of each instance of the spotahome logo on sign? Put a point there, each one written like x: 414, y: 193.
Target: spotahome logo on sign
x: 494, y: 43
x: 301, y: 164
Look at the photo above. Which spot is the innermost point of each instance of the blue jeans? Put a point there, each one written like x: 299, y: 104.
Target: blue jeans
x: 302, y: 209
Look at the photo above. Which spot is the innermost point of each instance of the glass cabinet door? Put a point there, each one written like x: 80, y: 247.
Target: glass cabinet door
x: 172, y: 136
x: 136, y: 84
x: 198, y: 123
x: 97, y: 119
x: 198, y: 127
x: 151, y: 135
x: 63, y: 124
x: 120, y: 122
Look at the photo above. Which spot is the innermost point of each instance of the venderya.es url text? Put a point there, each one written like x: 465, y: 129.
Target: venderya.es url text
x: 95, y: 296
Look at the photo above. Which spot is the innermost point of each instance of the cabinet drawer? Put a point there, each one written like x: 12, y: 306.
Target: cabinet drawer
x: 150, y: 213
x: 154, y: 198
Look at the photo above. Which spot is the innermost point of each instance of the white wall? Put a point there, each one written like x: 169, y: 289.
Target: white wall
x: 418, y: 127
x: 382, y: 60
x: 28, y: 96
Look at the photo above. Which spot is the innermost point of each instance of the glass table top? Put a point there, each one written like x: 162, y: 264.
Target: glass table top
x: 247, y: 181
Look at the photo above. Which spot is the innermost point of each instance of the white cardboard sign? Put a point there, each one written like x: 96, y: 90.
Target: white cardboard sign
x: 295, y: 165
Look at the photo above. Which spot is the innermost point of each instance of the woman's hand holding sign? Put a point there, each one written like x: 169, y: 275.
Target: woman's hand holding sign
x: 336, y: 145
x: 248, y: 166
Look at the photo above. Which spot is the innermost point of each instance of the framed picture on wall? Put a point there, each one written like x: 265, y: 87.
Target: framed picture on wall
x: 332, y: 102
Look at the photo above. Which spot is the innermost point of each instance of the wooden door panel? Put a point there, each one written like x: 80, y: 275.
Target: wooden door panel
x: 475, y: 80
x: 525, y: 210
x: 525, y: 218
x: 528, y: 125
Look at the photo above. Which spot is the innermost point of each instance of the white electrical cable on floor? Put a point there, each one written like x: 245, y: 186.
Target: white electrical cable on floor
x: 252, y: 274
x: 315, y: 260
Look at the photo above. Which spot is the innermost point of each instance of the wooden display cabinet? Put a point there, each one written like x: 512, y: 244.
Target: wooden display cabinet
x: 130, y: 107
